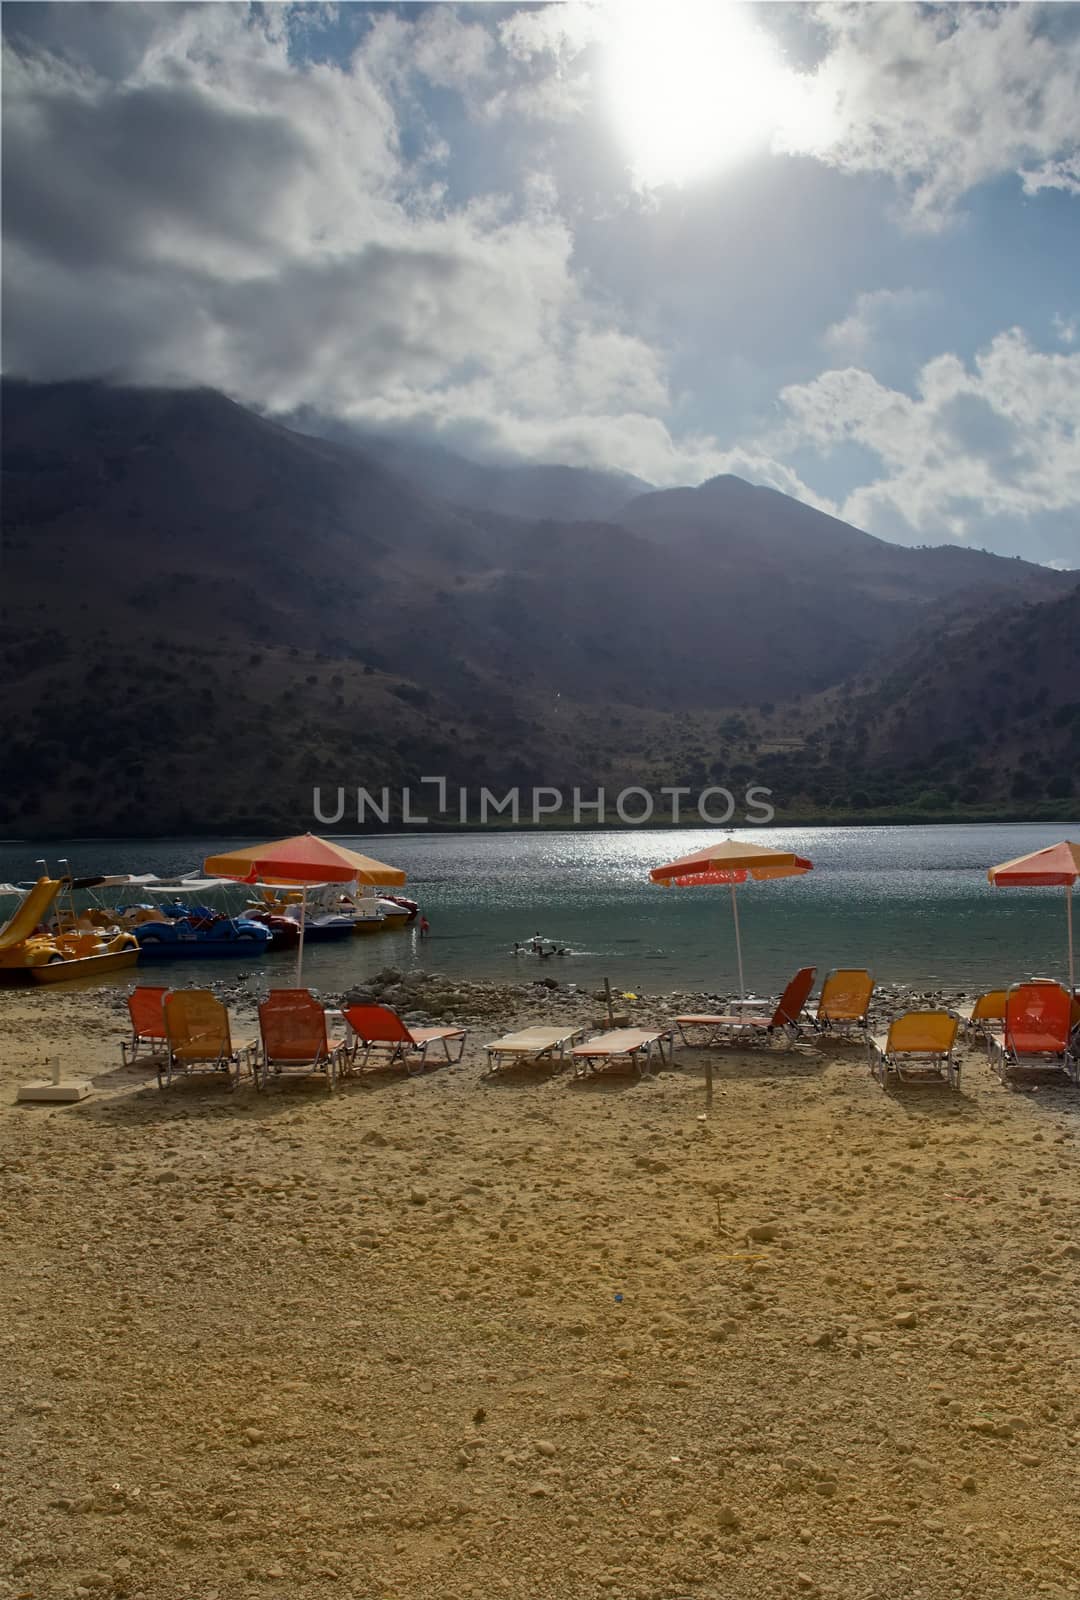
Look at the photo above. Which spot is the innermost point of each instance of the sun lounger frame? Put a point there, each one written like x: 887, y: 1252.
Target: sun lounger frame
x: 918, y: 1064
x: 1011, y: 1063
x: 409, y: 1044
x: 832, y: 1024
x: 787, y: 1018
x: 637, y: 1049
x: 131, y: 1050
x: 555, y: 1050
x: 328, y: 1059
x: 984, y: 1028
x: 172, y: 1062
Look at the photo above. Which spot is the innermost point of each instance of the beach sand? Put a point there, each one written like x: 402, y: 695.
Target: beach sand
x: 371, y: 1346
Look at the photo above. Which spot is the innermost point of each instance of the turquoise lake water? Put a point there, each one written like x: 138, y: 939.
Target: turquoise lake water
x: 911, y: 903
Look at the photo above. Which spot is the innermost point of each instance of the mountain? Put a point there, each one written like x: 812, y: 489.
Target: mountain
x: 530, y: 490
x: 207, y: 613
x: 964, y: 715
x: 752, y: 524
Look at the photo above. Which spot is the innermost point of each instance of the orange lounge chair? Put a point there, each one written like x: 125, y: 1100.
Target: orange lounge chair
x: 198, y: 1037
x: 985, y: 1017
x: 1039, y: 1032
x: 919, y: 1045
x: 292, y: 1031
x: 380, y: 1029
x: 635, y: 1045
x: 147, y: 1012
x: 845, y: 998
x: 719, y: 1030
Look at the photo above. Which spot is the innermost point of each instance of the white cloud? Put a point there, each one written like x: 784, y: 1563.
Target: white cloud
x: 202, y: 209
x: 190, y: 199
x: 877, y: 315
x: 449, y: 52
x: 559, y: 32
x: 945, y: 97
x: 1063, y: 174
x: 998, y: 440
x: 1066, y: 328
x: 528, y: 66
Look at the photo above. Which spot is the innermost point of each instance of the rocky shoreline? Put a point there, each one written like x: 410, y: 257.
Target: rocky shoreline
x: 430, y: 997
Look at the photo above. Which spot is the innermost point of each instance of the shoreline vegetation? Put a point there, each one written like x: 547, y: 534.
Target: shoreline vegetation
x: 562, y: 822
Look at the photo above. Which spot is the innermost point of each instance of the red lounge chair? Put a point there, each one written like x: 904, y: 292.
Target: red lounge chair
x: 380, y: 1029
x: 719, y: 1030
x: 146, y: 1008
x: 1039, y: 1034
x: 292, y: 1027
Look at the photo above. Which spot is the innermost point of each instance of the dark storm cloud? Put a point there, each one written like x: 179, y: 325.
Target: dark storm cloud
x: 96, y: 179
x: 422, y: 215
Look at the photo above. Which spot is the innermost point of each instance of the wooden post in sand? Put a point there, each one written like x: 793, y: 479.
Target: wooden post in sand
x: 708, y: 1078
x: 610, y: 1008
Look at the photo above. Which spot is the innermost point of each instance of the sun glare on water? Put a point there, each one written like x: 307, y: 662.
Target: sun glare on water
x: 695, y: 87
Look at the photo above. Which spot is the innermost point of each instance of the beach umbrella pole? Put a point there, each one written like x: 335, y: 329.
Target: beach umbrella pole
x: 1069, y: 923
x: 738, y: 942
x: 300, y: 945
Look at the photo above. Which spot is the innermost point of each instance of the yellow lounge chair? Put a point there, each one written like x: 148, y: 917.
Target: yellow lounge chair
x: 198, y: 1038
x: 985, y: 1017
x: 635, y: 1045
x: 918, y: 1047
x: 845, y: 998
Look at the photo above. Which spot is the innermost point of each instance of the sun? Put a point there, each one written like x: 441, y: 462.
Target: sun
x: 694, y: 86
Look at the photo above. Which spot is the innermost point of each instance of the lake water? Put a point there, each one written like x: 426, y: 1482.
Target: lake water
x: 910, y: 903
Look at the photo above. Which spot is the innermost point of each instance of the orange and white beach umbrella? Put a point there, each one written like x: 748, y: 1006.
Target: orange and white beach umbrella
x: 1057, y: 866
x: 731, y: 863
x: 299, y: 862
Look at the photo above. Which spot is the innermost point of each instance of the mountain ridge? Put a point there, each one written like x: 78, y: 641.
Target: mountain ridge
x: 229, y: 583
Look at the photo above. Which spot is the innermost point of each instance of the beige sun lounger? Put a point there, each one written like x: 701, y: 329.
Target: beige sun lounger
x: 635, y: 1045
x: 533, y: 1044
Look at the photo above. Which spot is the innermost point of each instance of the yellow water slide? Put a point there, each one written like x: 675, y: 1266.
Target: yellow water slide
x: 32, y: 910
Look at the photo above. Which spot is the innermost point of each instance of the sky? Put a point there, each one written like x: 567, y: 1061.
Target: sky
x: 834, y: 249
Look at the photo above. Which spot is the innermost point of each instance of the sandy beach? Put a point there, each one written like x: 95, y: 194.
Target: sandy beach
x: 447, y: 1338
